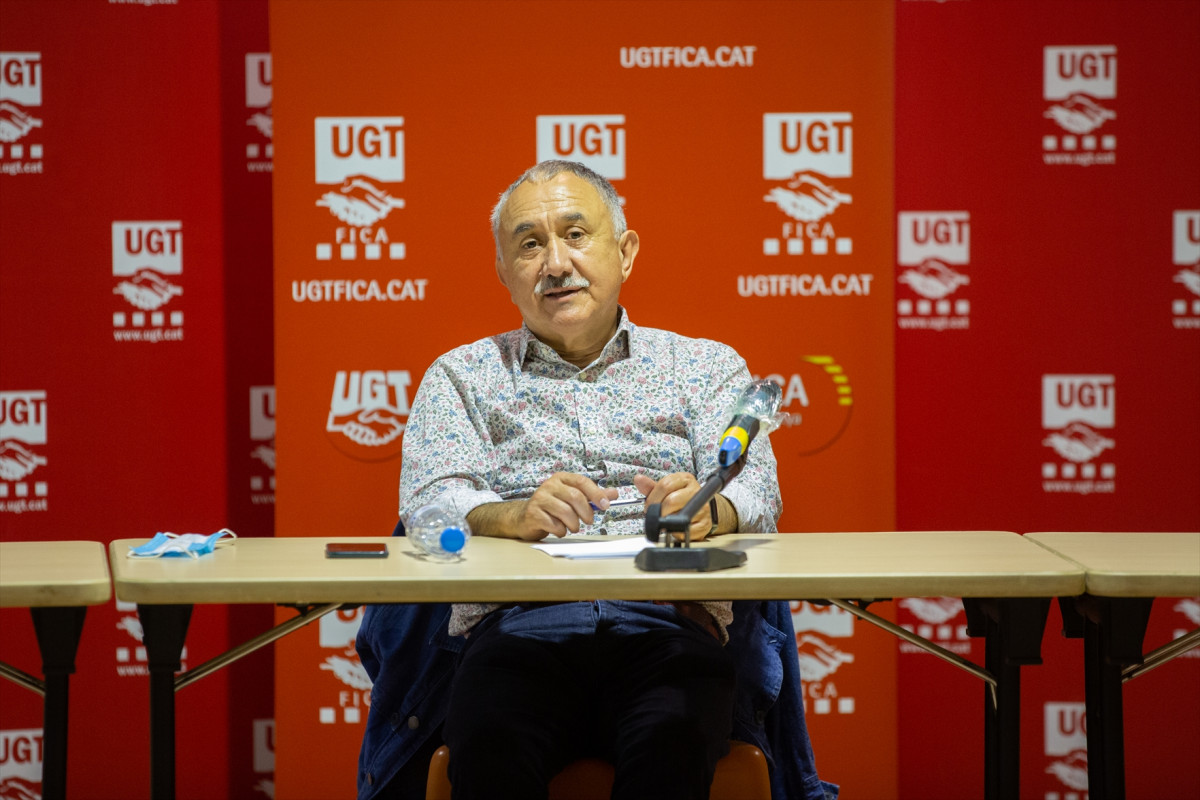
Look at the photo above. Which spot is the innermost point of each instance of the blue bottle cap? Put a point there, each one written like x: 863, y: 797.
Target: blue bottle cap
x: 453, y: 540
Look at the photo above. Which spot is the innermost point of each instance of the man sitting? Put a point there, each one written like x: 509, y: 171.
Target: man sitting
x: 525, y: 433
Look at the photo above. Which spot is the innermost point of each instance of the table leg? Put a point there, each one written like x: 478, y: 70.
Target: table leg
x: 58, y: 631
x: 164, y: 630
x: 1113, y: 632
x: 1012, y: 629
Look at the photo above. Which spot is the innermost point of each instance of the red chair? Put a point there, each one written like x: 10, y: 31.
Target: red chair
x: 741, y: 775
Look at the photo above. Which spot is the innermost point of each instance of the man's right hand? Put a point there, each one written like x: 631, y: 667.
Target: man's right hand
x: 559, y: 506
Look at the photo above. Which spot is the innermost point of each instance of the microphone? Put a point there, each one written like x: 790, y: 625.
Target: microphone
x: 756, y: 411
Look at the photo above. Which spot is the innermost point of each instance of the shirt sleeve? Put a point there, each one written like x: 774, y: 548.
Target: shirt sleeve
x: 755, y: 492
x: 446, y: 446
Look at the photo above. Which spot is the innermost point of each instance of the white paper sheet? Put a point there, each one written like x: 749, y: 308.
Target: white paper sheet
x: 602, y: 547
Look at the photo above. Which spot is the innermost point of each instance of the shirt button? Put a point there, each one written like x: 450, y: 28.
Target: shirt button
x: 370, y: 779
x: 413, y: 723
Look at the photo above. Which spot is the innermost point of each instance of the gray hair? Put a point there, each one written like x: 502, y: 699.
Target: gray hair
x: 547, y: 170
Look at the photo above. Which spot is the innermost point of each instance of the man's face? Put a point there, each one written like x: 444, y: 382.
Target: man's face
x: 562, y: 263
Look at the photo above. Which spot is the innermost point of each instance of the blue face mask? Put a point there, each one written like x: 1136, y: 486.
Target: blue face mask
x: 174, y: 544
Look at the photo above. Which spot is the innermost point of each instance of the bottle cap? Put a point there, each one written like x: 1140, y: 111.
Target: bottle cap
x: 453, y: 540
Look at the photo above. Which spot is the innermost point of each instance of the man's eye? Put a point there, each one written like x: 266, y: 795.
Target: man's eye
x: 529, y: 244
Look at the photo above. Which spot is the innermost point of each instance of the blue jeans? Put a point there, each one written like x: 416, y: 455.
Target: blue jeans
x: 634, y: 683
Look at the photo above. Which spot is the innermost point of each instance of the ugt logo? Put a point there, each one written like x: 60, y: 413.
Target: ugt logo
x: 931, y: 244
x: 1090, y: 70
x: 1074, y: 407
x: 20, y: 90
x: 258, y: 99
x: 358, y: 155
x: 258, y: 80
x: 22, y: 755
x: 818, y: 142
x: 368, y: 146
x: 597, y: 141
x: 1186, y: 244
x: 1074, y: 79
x: 1185, y: 254
x: 368, y: 412
x: 944, y: 235
x: 22, y: 433
x: 262, y: 442
x: 144, y: 254
x: 1065, y: 726
x: 21, y: 78
x: 810, y: 151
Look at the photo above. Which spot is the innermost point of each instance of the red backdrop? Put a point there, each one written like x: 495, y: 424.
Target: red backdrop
x: 135, y: 272
x: 915, y: 215
x: 1069, y: 315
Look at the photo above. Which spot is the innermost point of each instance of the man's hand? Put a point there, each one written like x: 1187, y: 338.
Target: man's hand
x: 673, y: 492
x: 559, y: 506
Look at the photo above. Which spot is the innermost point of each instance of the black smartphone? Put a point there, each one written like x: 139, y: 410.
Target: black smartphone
x: 356, y: 550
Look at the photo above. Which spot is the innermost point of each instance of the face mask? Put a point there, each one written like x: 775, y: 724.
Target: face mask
x: 174, y: 544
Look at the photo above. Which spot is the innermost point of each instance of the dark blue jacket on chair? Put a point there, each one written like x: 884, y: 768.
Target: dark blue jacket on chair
x: 411, y: 658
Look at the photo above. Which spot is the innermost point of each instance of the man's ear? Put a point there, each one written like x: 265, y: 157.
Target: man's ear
x: 500, y: 272
x: 628, y: 245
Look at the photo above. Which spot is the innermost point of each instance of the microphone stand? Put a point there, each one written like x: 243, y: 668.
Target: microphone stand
x: 677, y: 553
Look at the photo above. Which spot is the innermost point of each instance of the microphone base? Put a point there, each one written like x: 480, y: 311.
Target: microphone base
x: 688, y: 559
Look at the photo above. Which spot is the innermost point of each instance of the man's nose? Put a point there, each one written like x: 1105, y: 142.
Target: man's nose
x: 557, y: 257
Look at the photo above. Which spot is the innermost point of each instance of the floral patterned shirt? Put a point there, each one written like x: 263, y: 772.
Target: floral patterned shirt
x: 494, y: 419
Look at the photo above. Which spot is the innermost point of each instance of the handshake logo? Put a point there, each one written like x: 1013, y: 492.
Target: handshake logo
x: 367, y: 413
x: 147, y: 259
x: 1080, y: 84
x: 21, y: 148
x: 812, y: 154
x: 934, y: 247
x: 359, y: 164
x: 23, y: 483
x: 260, y: 149
x: 1078, y: 413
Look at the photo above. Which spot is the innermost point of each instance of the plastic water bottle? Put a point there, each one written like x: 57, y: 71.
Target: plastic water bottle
x: 756, y: 411
x: 438, y: 532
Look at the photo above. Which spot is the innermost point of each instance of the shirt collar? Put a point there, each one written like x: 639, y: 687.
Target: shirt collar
x: 619, y: 347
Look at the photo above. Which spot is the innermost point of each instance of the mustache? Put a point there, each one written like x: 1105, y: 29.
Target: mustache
x: 551, y: 282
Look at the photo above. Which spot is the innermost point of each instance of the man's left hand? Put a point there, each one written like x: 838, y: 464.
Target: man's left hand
x: 673, y: 492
